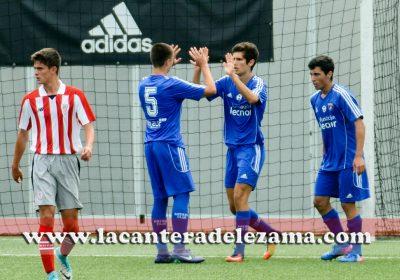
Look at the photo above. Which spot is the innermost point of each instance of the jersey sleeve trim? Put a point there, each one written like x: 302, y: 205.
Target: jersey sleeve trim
x: 259, y: 86
x: 349, y: 101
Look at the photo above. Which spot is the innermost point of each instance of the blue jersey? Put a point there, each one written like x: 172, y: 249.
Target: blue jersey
x: 336, y: 114
x: 242, y: 124
x: 161, y: 99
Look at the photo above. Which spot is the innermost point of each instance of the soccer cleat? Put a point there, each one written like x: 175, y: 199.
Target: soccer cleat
x: 337, y: 251
x: 66, y: 270
x: 164, y: 259
x: 185, y: 256
x: 351, y: 258
x: 270, y: 251
x: 52, y: 276
x: 235, y: 258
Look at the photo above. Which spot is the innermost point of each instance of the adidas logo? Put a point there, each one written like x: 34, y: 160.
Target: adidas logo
x: 349, y: 195
x: 229, y: 95
x: 244, y: 176
x: 119, y: 24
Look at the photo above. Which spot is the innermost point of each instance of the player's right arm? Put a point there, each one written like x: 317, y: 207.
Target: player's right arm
x: 200, y: 57
x: 24, y: 124
x: 196, y: 75
x: 197, y: 70
x: 20, y: 145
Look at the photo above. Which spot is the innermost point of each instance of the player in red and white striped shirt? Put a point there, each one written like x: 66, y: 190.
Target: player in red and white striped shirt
x: 54, y: 113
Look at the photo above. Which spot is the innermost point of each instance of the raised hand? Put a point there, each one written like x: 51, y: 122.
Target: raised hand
x: 199, y: 56
x: 176, y: 49
x: 228, y: 65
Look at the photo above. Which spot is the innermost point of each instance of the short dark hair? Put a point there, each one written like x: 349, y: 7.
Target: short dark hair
x: 159, y: 53
x: 249, y: 49
x: 324, y: 62
x: 49, y: 57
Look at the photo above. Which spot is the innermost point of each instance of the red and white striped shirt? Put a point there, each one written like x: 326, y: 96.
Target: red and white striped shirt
x: 55, y: 120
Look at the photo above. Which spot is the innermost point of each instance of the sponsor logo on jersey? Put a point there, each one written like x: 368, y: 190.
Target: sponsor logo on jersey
x: 240, y: 112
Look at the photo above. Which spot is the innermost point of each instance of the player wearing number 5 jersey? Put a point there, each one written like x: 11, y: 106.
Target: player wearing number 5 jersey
x: 161, y: 98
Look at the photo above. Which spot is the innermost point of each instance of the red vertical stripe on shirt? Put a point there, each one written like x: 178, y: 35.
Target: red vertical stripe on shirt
x: 32, y: 102
x: 70, y: 114
x: 49, y: 127
x: 60, y: 124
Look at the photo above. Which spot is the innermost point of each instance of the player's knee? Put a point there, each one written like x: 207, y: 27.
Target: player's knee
x: 46, y: 217
x: 70, y: 225
x: 47, y: 221
x: 321, y: 204
x: 239, y: 201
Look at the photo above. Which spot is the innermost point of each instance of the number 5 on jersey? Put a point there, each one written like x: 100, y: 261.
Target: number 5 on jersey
x: 151, y: 101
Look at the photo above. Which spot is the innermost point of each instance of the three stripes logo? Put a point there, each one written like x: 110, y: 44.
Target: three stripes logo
x: 117, y: 32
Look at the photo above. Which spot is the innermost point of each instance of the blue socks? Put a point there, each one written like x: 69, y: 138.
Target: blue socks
x: 159, y: 222
x: 180, y: 216
x: 258, y: 224
x: 332, y: 221
x: 355, y: 225
x: 242, y: 221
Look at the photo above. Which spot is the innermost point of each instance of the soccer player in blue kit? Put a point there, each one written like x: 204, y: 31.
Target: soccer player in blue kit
x: 161, y: 98
x: 244, y: 95
x: 342, y: 173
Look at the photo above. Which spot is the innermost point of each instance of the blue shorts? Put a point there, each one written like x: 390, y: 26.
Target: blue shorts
x: 243, y: 165
x: 168, y: 169
x: 344, y: 184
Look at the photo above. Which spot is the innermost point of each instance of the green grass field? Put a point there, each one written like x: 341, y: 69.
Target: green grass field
x: 382, y: 261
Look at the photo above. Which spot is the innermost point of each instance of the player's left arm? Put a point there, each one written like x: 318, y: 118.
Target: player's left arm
x: 247, y: 93
x: 86, y: 117
x: 358, y: 163
x: 89, y: 140
x: 349, y: 107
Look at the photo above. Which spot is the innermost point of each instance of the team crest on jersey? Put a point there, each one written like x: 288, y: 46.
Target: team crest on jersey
x: 324, y: 108
x: 39, y: 196
x: 65, y: 108
x: 330, y: 106
x: 239, y: 97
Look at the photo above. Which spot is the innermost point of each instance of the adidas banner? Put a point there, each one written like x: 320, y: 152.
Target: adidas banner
x: 88, y: 32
